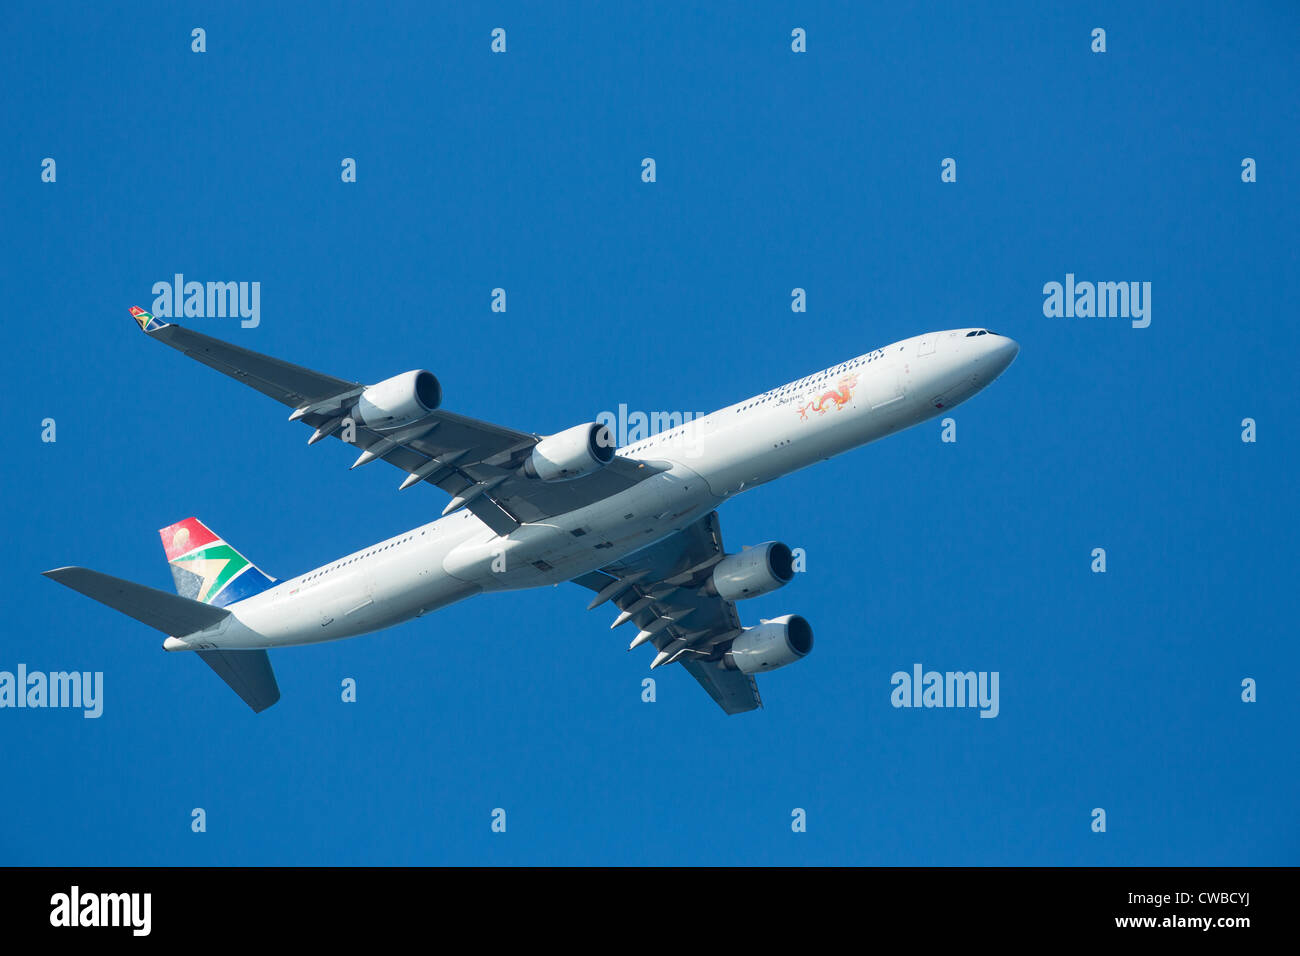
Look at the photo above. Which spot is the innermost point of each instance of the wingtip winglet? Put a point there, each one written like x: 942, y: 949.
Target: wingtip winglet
x: 146, y: 320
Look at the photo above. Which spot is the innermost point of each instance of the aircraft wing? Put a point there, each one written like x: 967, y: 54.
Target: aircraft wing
x: 456, y: 453
x: 659, y: 592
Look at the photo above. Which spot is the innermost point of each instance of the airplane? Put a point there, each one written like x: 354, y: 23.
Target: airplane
x: 636, y: 525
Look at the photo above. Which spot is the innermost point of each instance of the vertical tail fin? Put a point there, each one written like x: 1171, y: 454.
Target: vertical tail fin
x: 207, y: 569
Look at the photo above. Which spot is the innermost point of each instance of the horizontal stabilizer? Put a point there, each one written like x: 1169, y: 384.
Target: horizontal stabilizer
x: 169, y: 613
x: 249, y: 675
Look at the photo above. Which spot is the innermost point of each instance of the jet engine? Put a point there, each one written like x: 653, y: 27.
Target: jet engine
x: 757, y: 570
x: 400, y: 400
x: 773, y: 644
x: 572, y: 453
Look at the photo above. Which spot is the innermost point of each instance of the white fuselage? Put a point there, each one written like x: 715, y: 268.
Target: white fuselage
x: 707, y: 461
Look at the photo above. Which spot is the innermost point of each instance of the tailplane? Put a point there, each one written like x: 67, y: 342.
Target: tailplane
x: 249, y: 675
x: 209, y: 575
x: 168, y: 613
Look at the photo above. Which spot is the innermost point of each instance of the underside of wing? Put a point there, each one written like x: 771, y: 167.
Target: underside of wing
x: 662, y: 593
x: 481, y: 465
x: 733, y: 691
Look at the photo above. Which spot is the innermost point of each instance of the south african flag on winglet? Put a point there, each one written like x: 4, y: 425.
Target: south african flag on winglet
x: 147, y: 322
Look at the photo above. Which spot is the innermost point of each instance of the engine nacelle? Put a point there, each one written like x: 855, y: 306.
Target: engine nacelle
x: 399, y: 400
x: 759, y: 570
x: 572, y: 453
x: 780, y: 641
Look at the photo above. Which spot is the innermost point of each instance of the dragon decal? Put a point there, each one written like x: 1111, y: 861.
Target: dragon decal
x: 837, y: 397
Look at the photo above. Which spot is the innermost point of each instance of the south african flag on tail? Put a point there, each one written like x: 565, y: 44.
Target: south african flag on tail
x: 207, y: 569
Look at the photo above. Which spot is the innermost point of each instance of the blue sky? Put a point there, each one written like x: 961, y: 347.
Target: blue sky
x: 775, y: 170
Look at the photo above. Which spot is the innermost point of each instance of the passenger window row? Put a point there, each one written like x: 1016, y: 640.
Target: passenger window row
x: 368, y: 554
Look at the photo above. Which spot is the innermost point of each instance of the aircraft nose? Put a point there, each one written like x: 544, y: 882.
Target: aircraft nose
x: 1004, y: 353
